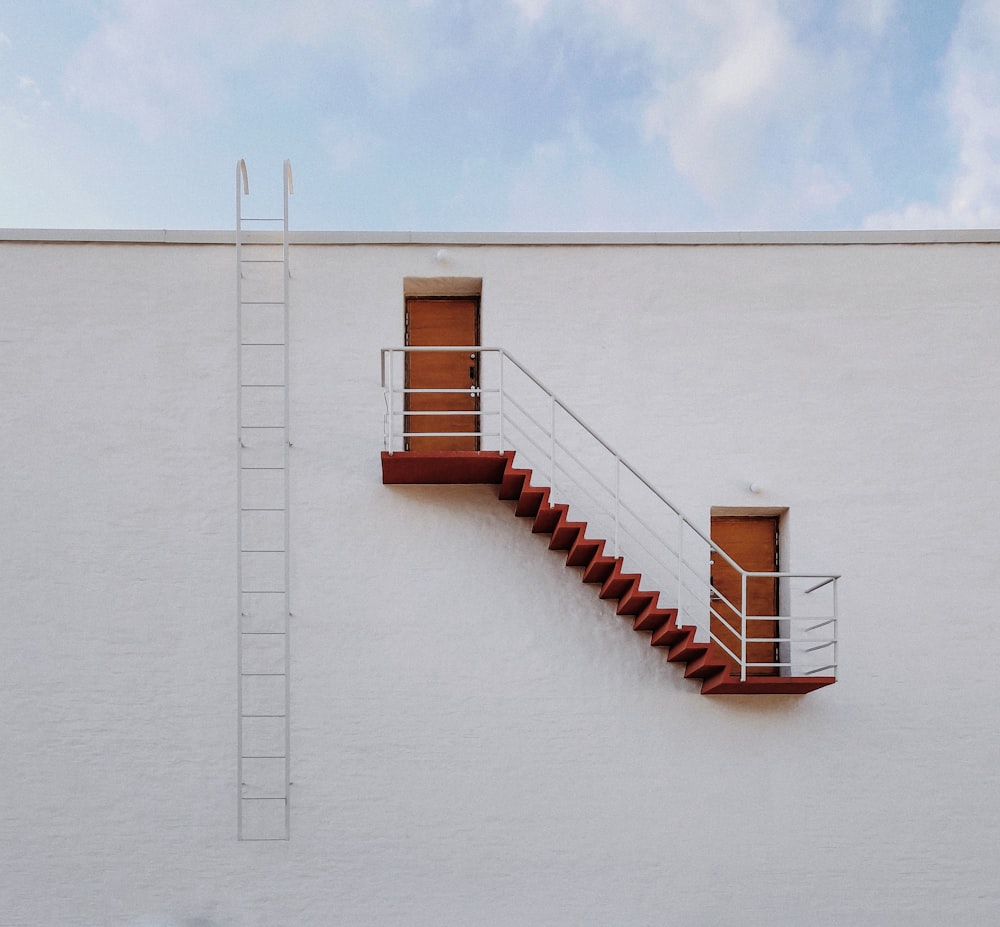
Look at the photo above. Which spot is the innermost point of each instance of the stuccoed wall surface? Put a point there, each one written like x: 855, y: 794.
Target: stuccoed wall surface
x: 476, y: 738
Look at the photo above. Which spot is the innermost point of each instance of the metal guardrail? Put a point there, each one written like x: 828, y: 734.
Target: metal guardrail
x: 516, y: 411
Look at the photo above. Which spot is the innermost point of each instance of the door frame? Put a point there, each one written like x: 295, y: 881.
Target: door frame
x: 464, y: 289
x: 780, y: 516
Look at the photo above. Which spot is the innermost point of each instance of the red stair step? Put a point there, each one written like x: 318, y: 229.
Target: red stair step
x: 705, y: 667
x: 600, y: 568
x: 532, y: 498
x: 619, y: 584
x: 513, y: 482
x: 669, y: 634
x: 653, y: 618
x: 565, y: 534
x: 637, y: 601
x: 548, y: 517
x: 686, y: 648
x: 584, y: 550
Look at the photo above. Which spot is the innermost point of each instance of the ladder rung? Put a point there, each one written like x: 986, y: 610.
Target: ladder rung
x: 261, y: 468
x: 262, y: 302
x: 263, y: 633
x: 262, y: 344
x: 263, y: 756
x: 262, y: 591
x: 262, y: 218
x: 263, y: 716
x: 262, y: 674
x: 266, y: 550
x: 279, y: 509
x: 264, y: 386
x: 262, y: 260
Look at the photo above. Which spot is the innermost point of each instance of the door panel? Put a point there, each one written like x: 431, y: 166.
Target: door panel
x: 442, y: 322
x: 753, y: 543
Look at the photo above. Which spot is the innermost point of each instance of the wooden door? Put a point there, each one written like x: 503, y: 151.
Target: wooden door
x: 753, y: 543
x: 432, y: 322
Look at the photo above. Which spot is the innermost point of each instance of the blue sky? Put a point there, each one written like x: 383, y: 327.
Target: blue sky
x: 503, y: 115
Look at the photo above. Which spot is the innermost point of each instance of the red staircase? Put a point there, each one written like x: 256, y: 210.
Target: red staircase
x: 597, y: 567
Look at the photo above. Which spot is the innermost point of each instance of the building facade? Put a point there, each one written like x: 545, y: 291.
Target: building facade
x: 471, y: 734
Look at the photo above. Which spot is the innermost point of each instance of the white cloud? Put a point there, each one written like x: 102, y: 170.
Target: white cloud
x: 971, y: 196
x: 740, y: 70
x: 531, y: 10
x: 560, y: 186
x: 874, y: 16
x: 145, y: 66
x: 163, y: 66
x: 347, y: 146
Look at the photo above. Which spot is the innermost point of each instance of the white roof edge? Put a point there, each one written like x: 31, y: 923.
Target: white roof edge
x: 181, y: 237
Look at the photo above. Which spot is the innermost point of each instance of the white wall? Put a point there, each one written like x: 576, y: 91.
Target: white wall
x: 476, y: 737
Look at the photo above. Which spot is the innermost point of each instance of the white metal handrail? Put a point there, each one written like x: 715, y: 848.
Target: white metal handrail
x: 518, y: 412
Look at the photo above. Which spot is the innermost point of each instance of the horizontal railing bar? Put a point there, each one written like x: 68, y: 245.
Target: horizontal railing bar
x: 448, y: 434
x: 778, y: 574
x: 442, y: 349
x: 477, y: 390
x: 419, y: 412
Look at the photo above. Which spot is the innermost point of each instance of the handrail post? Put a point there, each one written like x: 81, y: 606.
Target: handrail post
x: 680, y: 568
x: 552, y: 444
x: 391, y: 403
x: 743, y: 627
x: 618, y: 479
x: 500, y: 360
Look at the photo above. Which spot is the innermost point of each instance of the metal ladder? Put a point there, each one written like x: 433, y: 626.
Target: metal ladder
x: 263, y: 738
